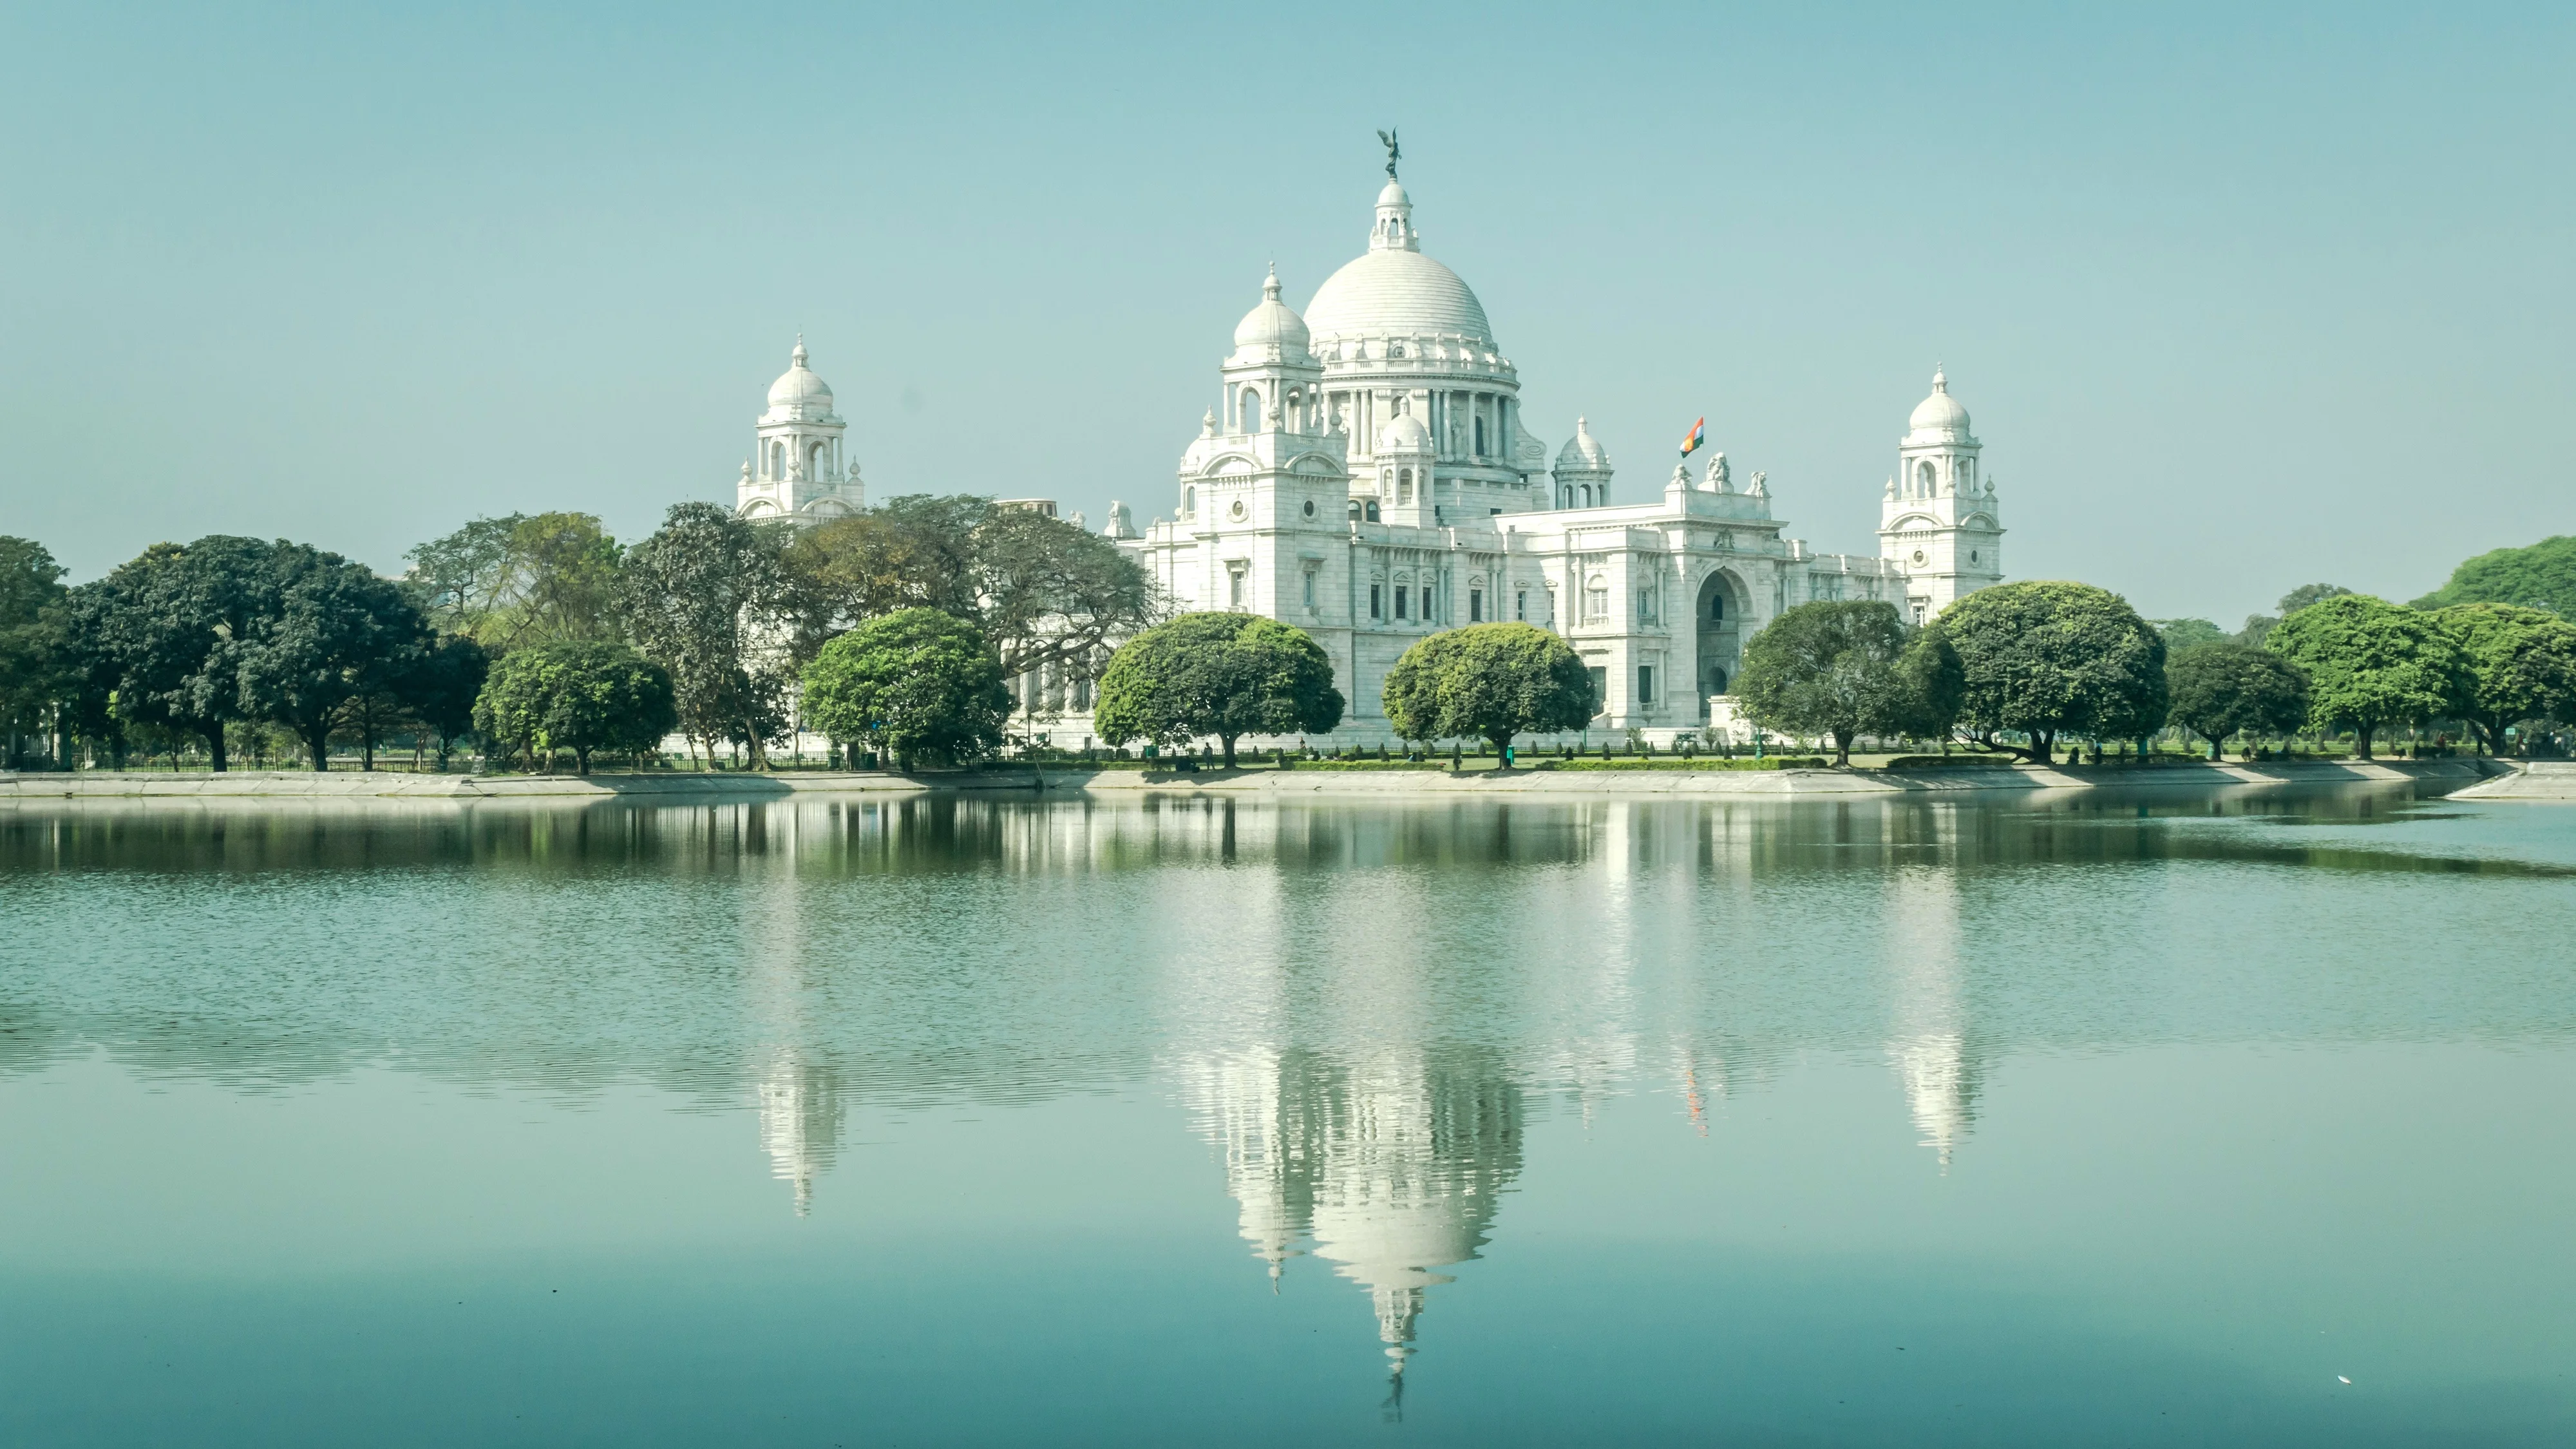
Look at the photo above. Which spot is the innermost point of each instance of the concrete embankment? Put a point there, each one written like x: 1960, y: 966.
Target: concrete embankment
x: 2534, y: 780
x: 2480, y: 779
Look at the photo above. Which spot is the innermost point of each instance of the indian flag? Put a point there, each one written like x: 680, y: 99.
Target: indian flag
x: 1698, y: 435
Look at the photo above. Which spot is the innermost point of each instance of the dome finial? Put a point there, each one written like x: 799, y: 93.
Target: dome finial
x: 1940, y: 379
x: 1270, y: 288
x: 797, y: 358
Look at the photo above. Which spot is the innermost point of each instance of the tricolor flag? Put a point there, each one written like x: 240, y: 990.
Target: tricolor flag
x: 1698, y: 435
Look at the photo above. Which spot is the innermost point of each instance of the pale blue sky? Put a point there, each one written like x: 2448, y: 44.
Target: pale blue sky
x: 2237, y: 300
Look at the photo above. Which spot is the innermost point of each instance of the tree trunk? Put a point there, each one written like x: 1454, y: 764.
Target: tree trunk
x: 2361, y: 739
x: 581, y: 759
x: 1502, y: 744
x: 1229, y: 750
x: 1842, y: 748
x: 214, y: 749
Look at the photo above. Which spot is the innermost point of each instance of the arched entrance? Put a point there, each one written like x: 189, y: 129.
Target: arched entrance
x: 1718, y: 625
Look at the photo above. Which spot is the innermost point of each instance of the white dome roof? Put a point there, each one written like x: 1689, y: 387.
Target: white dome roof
x: 1395, y: 293
x: 1272, y: 323
x: 798, y: 395
x: 1392, y: 194
x: 1582, y: 452
x: 1405, y: 434
x: 1940, y: 413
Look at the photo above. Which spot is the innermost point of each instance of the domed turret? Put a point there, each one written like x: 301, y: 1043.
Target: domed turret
x: 1404, y: 435
x: 799, y: 396
x: 1582, y: 470
x: 1939, y: 417
x: 1272, y: 330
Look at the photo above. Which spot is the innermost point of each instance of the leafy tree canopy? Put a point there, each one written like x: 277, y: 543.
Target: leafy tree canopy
x: 1040, y: 589
x: 523, y: 579
x: 172, y: 628
x: 917, y: 682
x: 1226, y: 675
x: 2541, y: 576
x: 34, y: 669
x: 332, y: 633
x: 2306, y: 594
x: 1838, y: 668
x: 2181, y: 634
x: 2222, y: 688
x: 1488, y: 681
x: 582, y: 695
x: 2369, y: 663
x: 707, y: 598
x: 2516, y: 664
x: 2049, y: 659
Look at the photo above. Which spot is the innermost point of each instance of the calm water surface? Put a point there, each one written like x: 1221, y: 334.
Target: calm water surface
x: 943, y: 1122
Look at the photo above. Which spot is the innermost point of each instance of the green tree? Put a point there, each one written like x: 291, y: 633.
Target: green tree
x: 33, y: 677
x: 1227, y: 675
x: 443, y: 687
x: 334, y: 633
x: 1041, y: 590
x: 917, y: 682
x: 1928, y: 690
x: 2369, y: 663
x: 2306, y: 594
x: 707, y: 598
x: 2224, y: 688
x: 2181, y: 634
x: 1826, y: 668
x: 1490, y: 682
x: 582, y: 695
x: 2047, y: 659
x: 173, y: 627
x: 2516, y: 664
x: 524, y: 579
x: 2542, y: 576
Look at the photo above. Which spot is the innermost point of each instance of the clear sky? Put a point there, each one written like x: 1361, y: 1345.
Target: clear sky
x: 2239, y: 298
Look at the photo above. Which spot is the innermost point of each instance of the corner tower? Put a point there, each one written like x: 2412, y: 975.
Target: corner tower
x: 796, y: 471
x: 1939, y: 522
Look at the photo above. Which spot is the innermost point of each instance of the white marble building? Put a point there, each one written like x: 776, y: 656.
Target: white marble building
x: 1368, y: 476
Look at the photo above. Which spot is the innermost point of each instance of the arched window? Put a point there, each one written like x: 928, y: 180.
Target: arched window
x: 1923, y: 476
x: 1252, y: 410
x: 1190, y: 502
x: 777, y: 460
x: 1717, y: 606
x: 1596, y: 599
x: 814, y: 461
x: 1372, y: 512
x: 1404, y: 485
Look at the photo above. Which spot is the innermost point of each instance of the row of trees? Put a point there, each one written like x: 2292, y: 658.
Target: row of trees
x: 538, y: 632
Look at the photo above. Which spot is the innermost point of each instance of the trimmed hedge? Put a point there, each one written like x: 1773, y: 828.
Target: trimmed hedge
x: 1669, y: 762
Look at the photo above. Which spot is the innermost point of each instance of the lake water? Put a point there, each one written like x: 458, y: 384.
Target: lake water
x: 2025, y: 1121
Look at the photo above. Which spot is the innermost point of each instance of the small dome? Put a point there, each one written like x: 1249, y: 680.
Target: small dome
x: 1582, y: 453
x: 1404, y: 435
x: 1271, y: 323
x: 1940, y: 413
x: 798, y: 395
x: 1393, y: 194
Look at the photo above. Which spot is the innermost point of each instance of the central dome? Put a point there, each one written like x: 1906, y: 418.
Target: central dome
x: 1395, y: 293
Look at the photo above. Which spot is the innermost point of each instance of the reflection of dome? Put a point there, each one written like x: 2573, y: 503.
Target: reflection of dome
x: 1392, y: 1167
x: 1405, y: 435
x: 1940, y: 414
x: 1270, y: 324
x: 799, y: 396
x: 1581, y: 452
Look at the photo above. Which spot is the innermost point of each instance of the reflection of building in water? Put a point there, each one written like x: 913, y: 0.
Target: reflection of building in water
x: 1389, y: 1166
x: 1927, y: 1041
x: 801, y: 1115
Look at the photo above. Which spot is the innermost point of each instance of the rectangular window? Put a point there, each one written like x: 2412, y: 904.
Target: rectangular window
x: 1645, y: 684
x: 1596, y: 605
x: 1551, y: 608
x: 1520, y: 606
x: 1310, y: 588
x: 1377, y: 601
x: 1600, y: 688
x: 1475, y: 606
x: 1234, y: 588
x: 1426, y: 603
x: 1645, y: 606
x: 1403, y: 600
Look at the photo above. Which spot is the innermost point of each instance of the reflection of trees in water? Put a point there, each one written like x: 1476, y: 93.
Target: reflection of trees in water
x: 814, y: 954
x: 1390, y: 1166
